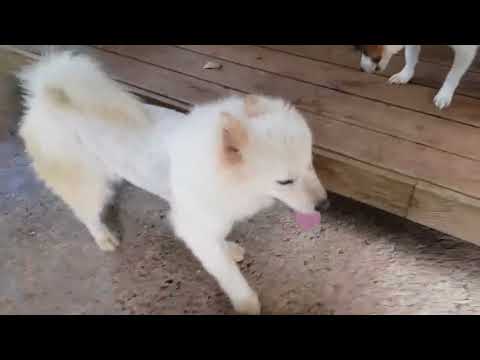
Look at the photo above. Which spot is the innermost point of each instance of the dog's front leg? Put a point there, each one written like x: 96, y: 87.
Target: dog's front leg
x: 464, y: 56
x: 219, y: 257
x: 412, y: 53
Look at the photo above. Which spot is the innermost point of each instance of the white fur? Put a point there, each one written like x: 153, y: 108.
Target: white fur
x: 464, y: 55
x: 84, y: 133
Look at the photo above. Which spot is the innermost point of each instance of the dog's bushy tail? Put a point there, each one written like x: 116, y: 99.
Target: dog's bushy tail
x: 75, y: 82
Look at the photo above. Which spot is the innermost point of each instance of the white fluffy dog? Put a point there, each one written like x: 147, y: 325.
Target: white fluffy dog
x: 220, y: 164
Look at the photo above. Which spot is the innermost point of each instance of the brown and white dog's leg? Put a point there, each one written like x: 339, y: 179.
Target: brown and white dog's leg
x: 412, y: 53
x: 464, y: 55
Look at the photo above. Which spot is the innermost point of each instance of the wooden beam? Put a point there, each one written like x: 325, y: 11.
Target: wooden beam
x: 446, y: 211
x: 365, y: 183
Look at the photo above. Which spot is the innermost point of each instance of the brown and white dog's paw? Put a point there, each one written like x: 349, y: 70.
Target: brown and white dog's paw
x: 402, y: 77
x: 443, y: 98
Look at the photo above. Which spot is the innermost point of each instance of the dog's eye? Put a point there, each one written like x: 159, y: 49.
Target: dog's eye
x: 285, y: 182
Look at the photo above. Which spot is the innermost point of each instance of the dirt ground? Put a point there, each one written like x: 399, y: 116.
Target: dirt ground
x: 361, y: 261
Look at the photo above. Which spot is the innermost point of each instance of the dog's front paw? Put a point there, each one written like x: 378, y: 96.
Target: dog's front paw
x: 235, y: 251
x: 402, y: 77
x: 107, y: 242
x: 249, y: 305
x: 443, y: 98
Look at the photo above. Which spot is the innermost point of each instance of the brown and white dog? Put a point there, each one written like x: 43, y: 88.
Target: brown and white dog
x: 376, y: 58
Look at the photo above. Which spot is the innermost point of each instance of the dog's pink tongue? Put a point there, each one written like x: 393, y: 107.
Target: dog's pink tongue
x: 308, y: 221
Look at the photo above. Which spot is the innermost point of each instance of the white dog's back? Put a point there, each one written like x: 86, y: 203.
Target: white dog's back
x: 76, y: 114
x: 83, y: 132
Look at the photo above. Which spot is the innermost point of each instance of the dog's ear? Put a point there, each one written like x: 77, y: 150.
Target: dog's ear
x: 254, y: 106
x: 234, y: 138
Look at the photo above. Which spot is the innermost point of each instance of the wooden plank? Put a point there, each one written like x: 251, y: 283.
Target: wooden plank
x: 442, y: 54
x: 158, y: 100
x: 365, y: 183
x: 446, y: 211
x: 411, y: 159
x: 434, y: 54
x: 147, y: 96
x: 427, y: 74
x: 420, y: 128
x: 182, y: 90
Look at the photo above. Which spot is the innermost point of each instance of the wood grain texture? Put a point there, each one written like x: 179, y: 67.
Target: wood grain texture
x: 446, y: 211
x: 365, y: 183
x: 417, y: 127
x: 165, y: 84
x: 430, y: 72
x: 327, y: 111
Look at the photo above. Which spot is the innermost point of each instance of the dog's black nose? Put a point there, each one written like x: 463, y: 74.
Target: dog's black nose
x: 361, y: 69
x: 322, y: 205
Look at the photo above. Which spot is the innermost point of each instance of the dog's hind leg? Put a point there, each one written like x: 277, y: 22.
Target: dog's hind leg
x: 85, y: 191
x: 464, y: 55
